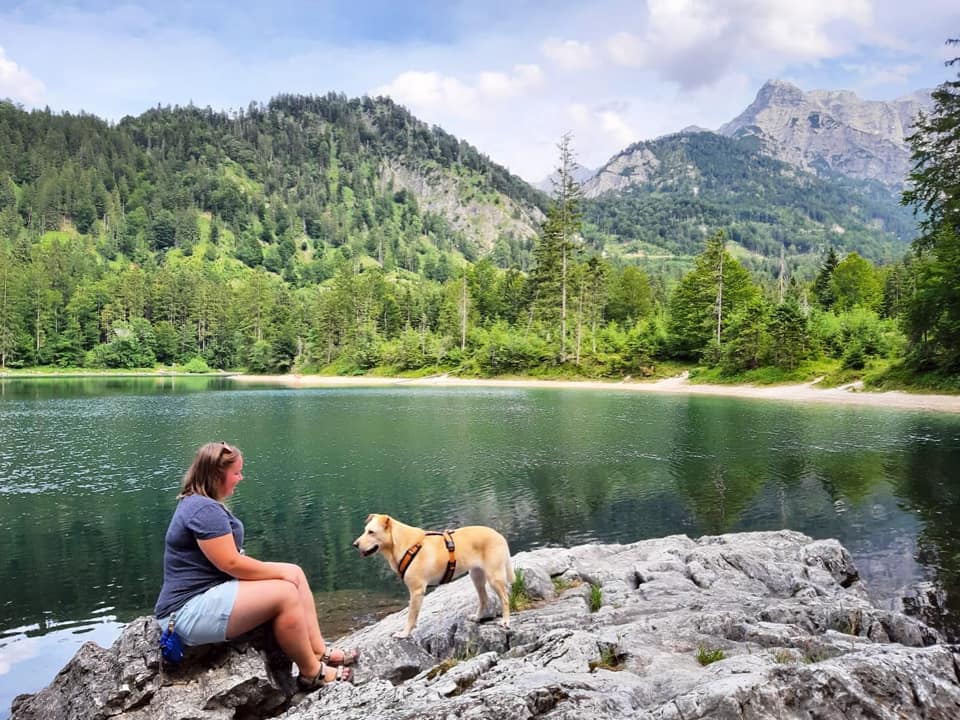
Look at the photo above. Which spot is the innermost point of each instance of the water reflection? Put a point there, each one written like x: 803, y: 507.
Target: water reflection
x: 89, y: 470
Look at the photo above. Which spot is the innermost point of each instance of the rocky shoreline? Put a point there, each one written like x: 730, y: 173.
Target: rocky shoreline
x: 749, y: 625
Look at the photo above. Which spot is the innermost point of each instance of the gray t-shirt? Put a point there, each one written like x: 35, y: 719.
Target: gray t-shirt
x: 186, y: 570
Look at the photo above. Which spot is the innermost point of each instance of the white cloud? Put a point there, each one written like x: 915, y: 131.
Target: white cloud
x: 613, y: 71
x: 496, y: 85
x: 872, y: 74
x: 427, y: 89
x: 693, y: 42
x: 431, y: 91
x: 616, y: 127
x: 22, y: 648
x: 569, y: 54
x: 16, y: 83
x: 627, y: 49
x: 589, y: 123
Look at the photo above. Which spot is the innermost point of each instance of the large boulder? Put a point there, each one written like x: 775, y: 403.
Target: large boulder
x: 247, y: 678
x: 750, y: 625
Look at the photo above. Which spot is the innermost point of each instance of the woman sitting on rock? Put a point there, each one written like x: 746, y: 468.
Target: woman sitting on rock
x: 214, y: 592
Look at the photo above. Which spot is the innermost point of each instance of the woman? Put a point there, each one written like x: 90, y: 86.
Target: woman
x: 214, y: 592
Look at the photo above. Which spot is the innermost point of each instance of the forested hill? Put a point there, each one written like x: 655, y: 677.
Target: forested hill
x: 314, y: 173
x: 662, y: 196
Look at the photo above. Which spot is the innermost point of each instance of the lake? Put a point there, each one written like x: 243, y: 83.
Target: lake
x: 89, y: 471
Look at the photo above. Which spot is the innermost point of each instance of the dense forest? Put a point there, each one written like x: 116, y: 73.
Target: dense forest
x: 694, y: 179
x: 281, y: 237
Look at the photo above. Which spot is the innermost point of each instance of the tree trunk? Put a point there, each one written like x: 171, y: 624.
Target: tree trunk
x: 579, y: 322
x: 720, y: 297
x: 463, y: 314
x: 563, y: 298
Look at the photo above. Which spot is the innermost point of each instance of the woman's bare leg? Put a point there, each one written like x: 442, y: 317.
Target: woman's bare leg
x: 279, y: 601
x: 312, y: 620
x: 310, y: 617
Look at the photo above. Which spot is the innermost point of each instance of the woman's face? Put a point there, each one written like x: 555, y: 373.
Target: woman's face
x: 231, y: 478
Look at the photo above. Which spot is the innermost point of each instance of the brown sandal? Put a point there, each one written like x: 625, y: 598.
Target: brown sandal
x: 349, y: 657
x: 309, y: 684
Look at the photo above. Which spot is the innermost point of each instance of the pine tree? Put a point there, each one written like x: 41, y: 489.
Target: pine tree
x: 559, y: 238
x: 822, y: 286
x: 933, y: 315
x: 717, y: 287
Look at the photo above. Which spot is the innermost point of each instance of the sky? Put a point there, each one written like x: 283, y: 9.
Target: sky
x: 508, y: 77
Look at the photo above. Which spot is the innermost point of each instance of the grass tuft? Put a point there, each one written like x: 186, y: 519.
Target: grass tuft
x: 596, y: 597
x: 560, y: 583
x: 706, y: 655
x: 519, y: 596
x: 609, y: 659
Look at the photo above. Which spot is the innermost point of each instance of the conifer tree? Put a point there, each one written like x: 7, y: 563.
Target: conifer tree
x: 933, y: 316
x: 558, y: 239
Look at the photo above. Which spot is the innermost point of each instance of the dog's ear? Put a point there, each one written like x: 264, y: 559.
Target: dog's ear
x: 386, y: 522
x: 369, y: 518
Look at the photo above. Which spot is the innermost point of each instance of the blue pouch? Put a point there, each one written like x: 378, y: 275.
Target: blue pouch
x: 171, y: 646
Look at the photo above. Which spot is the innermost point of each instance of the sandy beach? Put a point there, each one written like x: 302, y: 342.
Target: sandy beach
x: 680, y: 385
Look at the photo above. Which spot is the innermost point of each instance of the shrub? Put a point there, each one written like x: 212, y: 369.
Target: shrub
x: 196, y: 365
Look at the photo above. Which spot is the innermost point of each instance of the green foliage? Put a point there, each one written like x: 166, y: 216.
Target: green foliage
x: 267, y: 239
x: 609, y: 659
x: 933, y: 314
x: 707, y: 180
x: 519, y: 595
x: 630, y: 296
x: 560, y: 583
x: 706, y: 655
x: 747, y: 339
x: 502, y: 350
x: 789, y: 335
x: 196, y: 365
x: 699, y: 304
x: 596, y: 597
x: 129, y: 347
x: 855, y: 283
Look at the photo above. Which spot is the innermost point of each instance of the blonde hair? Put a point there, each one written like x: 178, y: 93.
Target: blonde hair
x: 208, y: 470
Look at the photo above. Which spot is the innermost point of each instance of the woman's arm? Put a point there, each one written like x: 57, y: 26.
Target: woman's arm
x: 222, y: 552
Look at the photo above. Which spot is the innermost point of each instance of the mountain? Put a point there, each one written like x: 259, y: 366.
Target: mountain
x: 580, y: 174
x: 832, y: 131
x: 666, y: 195
x: 283, y: 183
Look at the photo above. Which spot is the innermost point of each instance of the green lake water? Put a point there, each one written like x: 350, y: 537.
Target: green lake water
x: 89, y: 469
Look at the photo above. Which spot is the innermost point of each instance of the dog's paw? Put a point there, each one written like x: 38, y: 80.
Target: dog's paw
x: 400, y: 635
x: 473, y: 617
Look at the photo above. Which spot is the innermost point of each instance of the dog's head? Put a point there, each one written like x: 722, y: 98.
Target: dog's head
x: 376, y: 535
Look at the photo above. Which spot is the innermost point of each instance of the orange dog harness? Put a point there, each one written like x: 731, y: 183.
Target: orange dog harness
x: 411, y: 553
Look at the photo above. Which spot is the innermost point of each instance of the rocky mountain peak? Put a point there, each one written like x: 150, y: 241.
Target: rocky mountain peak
x: 832, y: 131
x: 779, y: 91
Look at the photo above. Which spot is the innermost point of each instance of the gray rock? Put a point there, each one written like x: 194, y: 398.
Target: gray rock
x: 786, y: 619
x: 457, y: 200
x: 833, y: 131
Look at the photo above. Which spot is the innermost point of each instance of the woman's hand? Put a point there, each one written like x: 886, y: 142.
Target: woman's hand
x: 222, y: 552
x: 289, y: 572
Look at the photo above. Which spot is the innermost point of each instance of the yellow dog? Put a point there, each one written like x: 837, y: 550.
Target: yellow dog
x: 423, y: 558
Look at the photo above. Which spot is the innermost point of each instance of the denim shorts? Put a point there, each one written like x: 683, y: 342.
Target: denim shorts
x: 203, y: 618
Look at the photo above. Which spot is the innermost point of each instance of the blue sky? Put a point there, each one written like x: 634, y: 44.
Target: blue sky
x: 508, y: 77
